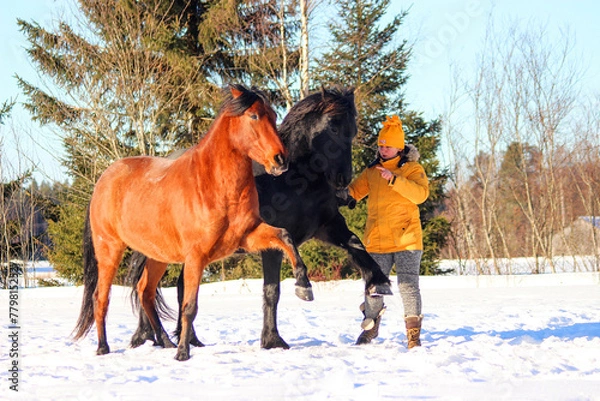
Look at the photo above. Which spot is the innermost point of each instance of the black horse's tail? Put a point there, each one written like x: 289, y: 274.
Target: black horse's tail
x: 137, y: 262
x: 90, y: 281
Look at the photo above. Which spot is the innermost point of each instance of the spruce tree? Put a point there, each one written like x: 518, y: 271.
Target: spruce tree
x: 367, y: 54
x: 142, y: 78
x: 5, y: 110
x: 363, y: 54
x: 125, y: 79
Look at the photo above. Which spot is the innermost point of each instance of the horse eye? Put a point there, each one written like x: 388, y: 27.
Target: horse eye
x: 254, y: 116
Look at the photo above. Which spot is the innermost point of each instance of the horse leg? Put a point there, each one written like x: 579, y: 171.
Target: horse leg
x: 108, y: 255
x: 191, y: 282
x: 265, y: 237
x: 271, y: 262
x: 193, y: 337
x: 144, y: 330
x: 153, y: 272
x: 338, y: 234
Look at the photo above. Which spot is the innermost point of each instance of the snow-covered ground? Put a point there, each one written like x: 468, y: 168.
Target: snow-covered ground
x: 484, y: 338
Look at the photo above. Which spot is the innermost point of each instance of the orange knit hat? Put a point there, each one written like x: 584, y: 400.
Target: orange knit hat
x: 392, y: 133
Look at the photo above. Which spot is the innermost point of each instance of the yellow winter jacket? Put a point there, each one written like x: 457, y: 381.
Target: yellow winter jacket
x: 393, y: 222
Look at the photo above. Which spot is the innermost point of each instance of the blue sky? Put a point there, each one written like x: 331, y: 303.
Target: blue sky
x: 451, y: 33
x: 445, y: 33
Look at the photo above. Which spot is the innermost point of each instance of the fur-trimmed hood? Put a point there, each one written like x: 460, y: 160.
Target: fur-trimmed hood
x: 410, y: 153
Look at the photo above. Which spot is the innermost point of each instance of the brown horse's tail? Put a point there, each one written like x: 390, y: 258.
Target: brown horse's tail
x: 137, y: 262
x: 90, y: 280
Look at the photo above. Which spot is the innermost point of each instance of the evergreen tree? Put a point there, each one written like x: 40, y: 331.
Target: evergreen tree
x: 127, y: 80
x: 66, y: 233
x: 5, y: 110
x: 518, y: 177
x: 265, y: 47
x: 365, y: 54
x: 142, y: 78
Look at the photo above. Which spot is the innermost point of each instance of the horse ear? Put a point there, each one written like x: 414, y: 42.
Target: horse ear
x: 235, y: 91
x: 350, y: 92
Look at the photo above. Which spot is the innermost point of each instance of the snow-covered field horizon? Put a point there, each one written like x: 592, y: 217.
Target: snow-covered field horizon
x: 520, y: 337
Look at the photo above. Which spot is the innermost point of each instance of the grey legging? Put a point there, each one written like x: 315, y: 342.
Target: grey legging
x: 407, y: 270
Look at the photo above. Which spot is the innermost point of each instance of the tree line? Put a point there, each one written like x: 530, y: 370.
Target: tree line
x: 533, y: 169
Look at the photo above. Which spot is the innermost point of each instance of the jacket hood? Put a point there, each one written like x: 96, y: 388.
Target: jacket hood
x: 409, y: 154
x: 412, y: 153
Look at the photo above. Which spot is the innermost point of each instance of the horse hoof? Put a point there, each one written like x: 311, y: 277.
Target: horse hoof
x: 182, y: 356
x: 379, y: 290
x: 274, y: 343
x: 304, y: 293
x: 141, y: 336
x: 103, y: 350
x: 138, y: 340
x: 196, y: 343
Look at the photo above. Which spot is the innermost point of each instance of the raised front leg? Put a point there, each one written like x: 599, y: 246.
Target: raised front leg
x: 338, y: 234
x: 266, y: 237
x: 270, y: 338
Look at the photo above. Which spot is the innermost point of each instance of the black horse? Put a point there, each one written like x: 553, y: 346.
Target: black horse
x: 318, y: 133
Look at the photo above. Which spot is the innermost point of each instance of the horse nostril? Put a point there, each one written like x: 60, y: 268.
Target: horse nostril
x: 280, y: 159
x: 280, y: 165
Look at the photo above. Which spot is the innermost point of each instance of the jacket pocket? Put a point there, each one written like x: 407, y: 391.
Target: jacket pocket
x: 399, y: 224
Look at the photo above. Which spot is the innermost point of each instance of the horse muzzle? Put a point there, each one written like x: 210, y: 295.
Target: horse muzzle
x: 340, y: 180
x: 280, y: 165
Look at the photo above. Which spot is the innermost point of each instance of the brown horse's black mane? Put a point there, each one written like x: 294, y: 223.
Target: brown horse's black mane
x: 309, y: 117
x: 237, y: 106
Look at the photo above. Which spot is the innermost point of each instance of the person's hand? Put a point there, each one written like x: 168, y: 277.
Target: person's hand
x: 385, y: 173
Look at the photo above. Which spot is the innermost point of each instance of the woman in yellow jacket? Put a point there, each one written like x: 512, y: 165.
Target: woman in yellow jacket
x: 395, y: 184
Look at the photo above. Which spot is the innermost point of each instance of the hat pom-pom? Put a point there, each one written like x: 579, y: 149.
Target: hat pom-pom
x: 392, y: 121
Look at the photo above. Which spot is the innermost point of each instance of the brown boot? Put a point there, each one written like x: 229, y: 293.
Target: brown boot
x: 413, y: 330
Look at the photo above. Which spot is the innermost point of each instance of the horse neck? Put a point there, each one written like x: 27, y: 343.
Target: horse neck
x: 216, y: 151
x: 302, y: 167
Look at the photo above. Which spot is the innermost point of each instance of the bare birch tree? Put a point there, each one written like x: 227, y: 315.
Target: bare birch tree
x: 522, y: 103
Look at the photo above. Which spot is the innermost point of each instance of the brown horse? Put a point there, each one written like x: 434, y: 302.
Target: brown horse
x: 194, y: 210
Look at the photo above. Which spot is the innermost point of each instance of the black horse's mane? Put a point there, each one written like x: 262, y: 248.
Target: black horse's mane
x: 237, y: 106
x: 305, y: 120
